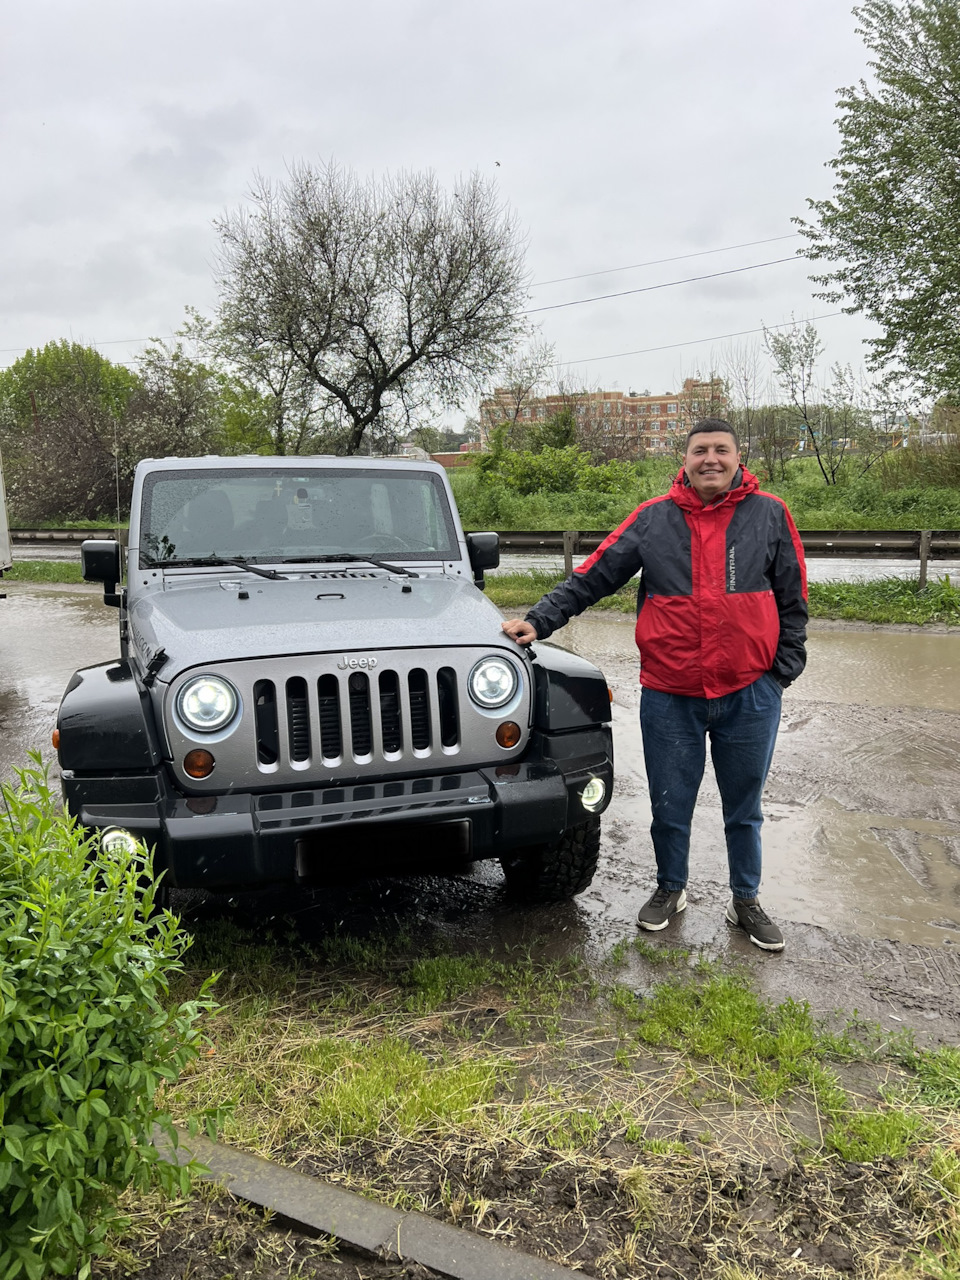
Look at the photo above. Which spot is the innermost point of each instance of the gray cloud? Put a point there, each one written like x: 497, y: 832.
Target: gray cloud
x: 623, y: 132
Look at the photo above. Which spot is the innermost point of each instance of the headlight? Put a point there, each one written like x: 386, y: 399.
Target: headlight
x: 207, y: 703
x: 493, y: 682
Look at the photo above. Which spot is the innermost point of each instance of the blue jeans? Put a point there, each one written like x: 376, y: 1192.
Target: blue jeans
x: 742, y: 727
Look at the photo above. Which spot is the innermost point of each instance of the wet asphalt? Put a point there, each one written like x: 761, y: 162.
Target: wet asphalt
x: 861, y: 843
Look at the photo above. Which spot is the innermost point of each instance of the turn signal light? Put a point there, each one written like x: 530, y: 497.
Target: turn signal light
x: 55, y: 739
x: 508, y: 734
x: 198, y: 764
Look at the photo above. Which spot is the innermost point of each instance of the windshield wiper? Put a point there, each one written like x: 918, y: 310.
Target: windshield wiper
x: 237, y: 562
x: 347, y: 557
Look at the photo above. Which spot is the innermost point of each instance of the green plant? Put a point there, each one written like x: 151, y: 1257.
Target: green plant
x: 870, y: 1135
x: 86, y: 1037
x: 44, y: 571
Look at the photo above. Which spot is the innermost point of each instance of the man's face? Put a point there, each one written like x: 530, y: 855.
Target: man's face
x: 711, y: 463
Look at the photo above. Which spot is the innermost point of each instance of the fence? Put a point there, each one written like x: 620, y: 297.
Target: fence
x: 869, y: 544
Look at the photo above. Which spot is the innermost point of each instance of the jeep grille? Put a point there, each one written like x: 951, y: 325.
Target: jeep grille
x: 316, y: 717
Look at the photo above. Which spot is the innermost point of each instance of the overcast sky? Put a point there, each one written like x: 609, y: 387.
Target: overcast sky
x: 621, y: 131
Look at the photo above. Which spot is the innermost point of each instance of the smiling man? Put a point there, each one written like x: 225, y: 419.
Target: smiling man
x: 721, y: 629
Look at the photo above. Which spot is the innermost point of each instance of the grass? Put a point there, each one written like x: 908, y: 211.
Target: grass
x: 636, y: 1103
x: 885, y: 600
x: 67, y: 571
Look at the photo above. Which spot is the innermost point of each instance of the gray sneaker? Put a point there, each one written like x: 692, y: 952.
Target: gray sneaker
x: 665, y: 903
x: 759, y: 928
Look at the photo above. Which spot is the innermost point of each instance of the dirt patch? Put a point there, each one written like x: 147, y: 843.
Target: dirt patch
x: 684, y: 1216
x: 223, y: 1239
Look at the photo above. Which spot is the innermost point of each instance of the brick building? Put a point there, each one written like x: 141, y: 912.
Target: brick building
x: 623, y: 424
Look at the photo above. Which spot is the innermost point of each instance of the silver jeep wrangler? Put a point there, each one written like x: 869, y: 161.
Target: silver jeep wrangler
x: 312, y: 682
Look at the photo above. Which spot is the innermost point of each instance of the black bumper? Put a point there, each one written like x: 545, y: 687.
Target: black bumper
x: 245, y: 839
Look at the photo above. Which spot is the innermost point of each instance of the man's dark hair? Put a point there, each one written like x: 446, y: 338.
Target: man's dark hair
x: 713, y: 424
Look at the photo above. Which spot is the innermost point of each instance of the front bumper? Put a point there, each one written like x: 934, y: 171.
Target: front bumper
x: 244, y: 839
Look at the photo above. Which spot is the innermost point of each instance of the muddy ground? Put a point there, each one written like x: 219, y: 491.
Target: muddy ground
x: 862, y: 870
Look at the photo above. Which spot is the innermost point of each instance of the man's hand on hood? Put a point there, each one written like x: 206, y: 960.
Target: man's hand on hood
x: 521, y: 631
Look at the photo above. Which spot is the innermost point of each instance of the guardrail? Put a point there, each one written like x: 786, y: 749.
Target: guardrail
x: 61, y: 535
x: 922, y: 545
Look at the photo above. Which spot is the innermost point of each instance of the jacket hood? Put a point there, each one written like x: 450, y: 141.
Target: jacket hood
x: 686, y: 497
x: 198, y: 624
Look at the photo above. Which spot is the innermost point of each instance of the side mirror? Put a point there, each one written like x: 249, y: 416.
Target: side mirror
x: 100, y: 562
x: 484, y: 552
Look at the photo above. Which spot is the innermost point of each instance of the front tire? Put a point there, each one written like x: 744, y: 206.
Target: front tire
x: 554, y: 872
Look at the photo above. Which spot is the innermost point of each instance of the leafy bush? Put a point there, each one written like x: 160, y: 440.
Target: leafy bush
x: 554, y: 489
x: 85, y: 1034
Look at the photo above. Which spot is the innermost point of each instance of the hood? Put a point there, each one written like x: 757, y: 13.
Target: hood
x: 200, y: 623
x: 686, y: 497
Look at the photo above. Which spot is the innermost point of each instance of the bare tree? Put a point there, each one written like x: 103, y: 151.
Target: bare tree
x: 843, y: 420
x: 520, y: 380
x: 391, y: 296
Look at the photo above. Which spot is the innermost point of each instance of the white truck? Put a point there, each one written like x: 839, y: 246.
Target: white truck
x: 5, y: 559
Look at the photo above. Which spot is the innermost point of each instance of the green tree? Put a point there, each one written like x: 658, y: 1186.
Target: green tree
x: 891, y: 230
x: 63, y: 414
x: 386, y: 297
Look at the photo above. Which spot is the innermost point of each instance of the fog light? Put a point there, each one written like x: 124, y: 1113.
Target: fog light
x: 198, y: 764
x: 508, y: 733
x: 116, y: 840
x: 591, y: 797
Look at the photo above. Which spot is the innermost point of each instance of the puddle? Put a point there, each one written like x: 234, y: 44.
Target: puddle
x: 44, y: 637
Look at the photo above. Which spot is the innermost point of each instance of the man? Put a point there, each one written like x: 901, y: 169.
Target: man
x: 721, y: 628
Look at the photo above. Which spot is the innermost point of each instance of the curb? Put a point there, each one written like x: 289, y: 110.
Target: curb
x: 316, y: 1205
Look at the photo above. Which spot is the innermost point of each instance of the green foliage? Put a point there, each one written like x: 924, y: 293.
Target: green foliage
x: 873, y: 1135
x: 46, y: 379
x: 887, y: 600
x: 938, y: 1076
x: 44, y: 571
x: 891, y: 231
x: 86, y: 1037
x: 552, y: 489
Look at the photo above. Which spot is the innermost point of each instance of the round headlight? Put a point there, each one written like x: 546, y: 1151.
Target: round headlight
x: 493, y: 682
x: 207, y: 703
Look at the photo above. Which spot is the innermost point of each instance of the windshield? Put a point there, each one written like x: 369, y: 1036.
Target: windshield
x: 281, y: 515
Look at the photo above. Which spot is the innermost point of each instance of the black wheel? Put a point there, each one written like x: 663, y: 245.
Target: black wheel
x: 553, y: 872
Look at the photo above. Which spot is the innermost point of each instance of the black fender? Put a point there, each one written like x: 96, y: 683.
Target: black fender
x: 106, y: 723
x: 568, y: 692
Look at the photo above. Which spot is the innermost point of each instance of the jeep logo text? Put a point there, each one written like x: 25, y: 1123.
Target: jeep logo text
x: 352, y: 664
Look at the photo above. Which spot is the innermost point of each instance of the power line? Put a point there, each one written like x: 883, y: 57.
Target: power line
x: 109, y: 342
x: 657, y: 262
x: 695, y: 342
x: 669, y: 284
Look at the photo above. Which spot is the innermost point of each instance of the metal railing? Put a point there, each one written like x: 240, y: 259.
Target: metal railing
x: 922, y: 545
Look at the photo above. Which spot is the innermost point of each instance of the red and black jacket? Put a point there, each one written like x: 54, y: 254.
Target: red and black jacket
x: 723, y: 589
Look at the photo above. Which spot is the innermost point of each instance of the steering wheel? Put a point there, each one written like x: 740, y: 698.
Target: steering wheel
x: 385, y: 541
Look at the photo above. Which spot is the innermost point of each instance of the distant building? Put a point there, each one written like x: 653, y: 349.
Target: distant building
x: 624, y: 424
